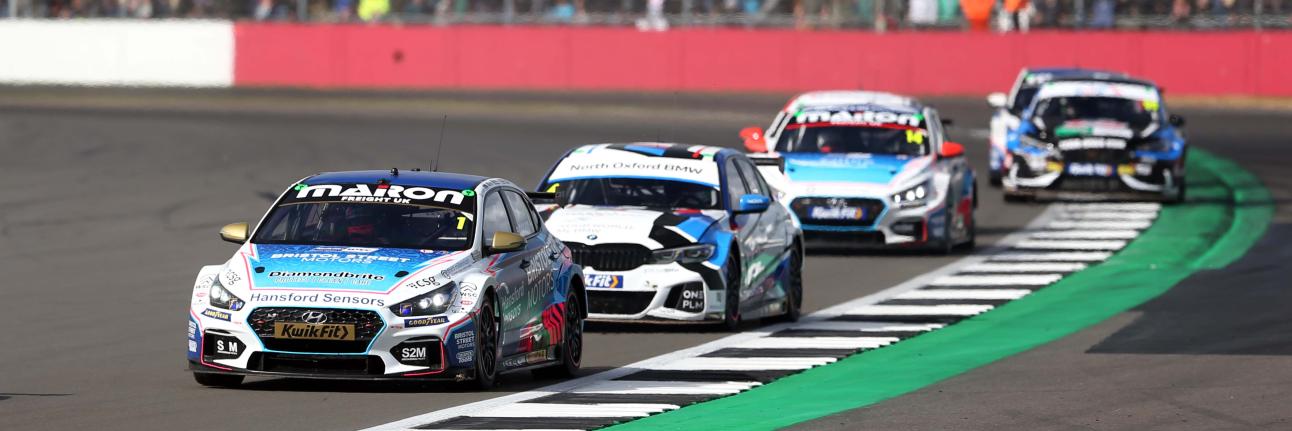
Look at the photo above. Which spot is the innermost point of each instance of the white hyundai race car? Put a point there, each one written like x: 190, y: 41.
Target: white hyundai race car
x: 867, y: 169
x: 389, y: 275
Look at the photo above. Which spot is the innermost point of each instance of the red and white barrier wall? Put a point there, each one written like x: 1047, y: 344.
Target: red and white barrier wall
x: 580, y: 58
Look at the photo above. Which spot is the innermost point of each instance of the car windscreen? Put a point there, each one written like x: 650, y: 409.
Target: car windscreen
x: 842, y: 139
x: 367, y: 225
x: 1137, y: 114
x: 1023, y: 99
x: 640, y: 192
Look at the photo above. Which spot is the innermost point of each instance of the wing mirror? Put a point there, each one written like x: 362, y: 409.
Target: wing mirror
x: 1175, y: 120
x: 951, y: 149
x: 754, y: 142
x: 752, y: 203
x: 234, y: 232
x: 997, y: 100
x: 504, y: 242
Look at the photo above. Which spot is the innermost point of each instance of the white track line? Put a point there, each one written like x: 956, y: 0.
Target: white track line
x: 921, y: 310
x: 1026, y: 267
x: 1109, y: 215
x: 997, y: 280
x: 603, y: 382
x: 1036, y: 244
x: 659, y: 388
x: 863, y: 327
x: 1114, y: 206
x: 1085, y: 234
x: 1100, y: 224
x: 952, y: 294
x: 554, y: 410
x: 817, y: 343
x: 1073, y: 256
x: 701, y: 363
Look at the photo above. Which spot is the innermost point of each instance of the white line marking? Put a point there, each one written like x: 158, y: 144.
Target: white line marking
x: 602, y: 382
x: 742, y: 364
x: 1100, y: 224
x: 921, y: 310
x: 1085, y: 234
x: 552, y: 410
x: 1114, y: 206
x: 664, y: 388
x: 1071, y: 244
x: 1109, y: 215
x: 818, y: 342
x: 863, y: 327
x: 965, y: 294
x: 1075, y: 256
x: 997, y: 280
x: 1026, y: 267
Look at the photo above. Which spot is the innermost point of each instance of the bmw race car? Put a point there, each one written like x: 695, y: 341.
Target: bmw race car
x: 1097, y: 140
x: 670, y: 232
x: 390, y: 275
x: 865, y: 169
x: 1010, y: 107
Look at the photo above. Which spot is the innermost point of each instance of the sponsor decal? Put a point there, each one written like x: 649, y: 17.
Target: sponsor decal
x: 465, y: 340
x: 346, y: 249
x: 410, y: 354
x: 860, y: 117
x: 691, y: 299
x: 313, y: 331
x: 338, y: 258
x: 587, y: 166
x: 425, y: 321
x: 603, y: 281
x: 192, y: 346
x: 381, y: 193
x: 228, y: 347
x: 339, y: 277
x: 836, y: 213
x: 1090, y: 169
x: 326, y: 298
x: 1092, y: 144
x: 460, y: 344
x: 217, y: 314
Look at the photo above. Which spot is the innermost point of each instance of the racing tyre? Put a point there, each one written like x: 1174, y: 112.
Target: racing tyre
x: 571, y: 342
x: 218, y: 380
x: 1180, y: 194
x: 994, y: 178
x: 948, y: 243
x: 731, y: 315
x: 794, y: 295
x: 486, y: 345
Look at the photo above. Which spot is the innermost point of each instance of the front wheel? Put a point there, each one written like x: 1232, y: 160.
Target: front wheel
x: 486, y: 346
x: 794, y: 287
x: 571, y: 342
x: 218, y: 380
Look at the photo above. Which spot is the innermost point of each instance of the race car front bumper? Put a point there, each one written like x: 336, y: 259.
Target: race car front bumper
x: 670, y: 292
x: 381, y: 346
x: 867, y: 222
x: 1099, y: 176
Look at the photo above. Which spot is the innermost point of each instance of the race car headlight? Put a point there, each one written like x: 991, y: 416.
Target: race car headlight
x: 221, y: 298
x: 1029, y: 142
x: 433, y: 302
x: 914, y: 196
x: 687, y: 254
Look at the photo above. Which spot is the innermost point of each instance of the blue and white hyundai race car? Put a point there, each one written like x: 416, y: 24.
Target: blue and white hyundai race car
x: 868, y: 169
x: 680, y: 233
x: 1097, y: 140
x: 390, y: 275
x: 1009, y: 107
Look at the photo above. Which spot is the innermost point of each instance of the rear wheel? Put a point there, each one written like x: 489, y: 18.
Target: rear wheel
x: 994, y: 176
x: 794, y: 288
x: 486, y: 345
x: 571, y: 341
x: 731, y: 316
x: 218, y: 380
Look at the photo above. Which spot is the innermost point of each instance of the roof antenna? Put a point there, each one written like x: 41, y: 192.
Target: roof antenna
x: 435, y: 163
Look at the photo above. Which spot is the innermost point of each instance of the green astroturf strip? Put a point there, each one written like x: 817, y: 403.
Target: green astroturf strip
x: 1227, y: 211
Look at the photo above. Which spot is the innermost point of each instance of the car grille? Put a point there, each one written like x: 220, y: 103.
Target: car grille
x: 316, y: 365
x: 1097, y: 156
x: 802, y: 207
x: 609, y: 257
x: 1083, y: 184
x: 367, y: 324
x: 603, y: 302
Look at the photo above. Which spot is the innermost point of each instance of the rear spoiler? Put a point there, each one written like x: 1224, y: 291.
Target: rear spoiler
x: 541, y: 197
x: 778, y: 162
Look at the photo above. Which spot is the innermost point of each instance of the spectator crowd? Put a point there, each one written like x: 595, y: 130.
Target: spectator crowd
x: 881, y: 15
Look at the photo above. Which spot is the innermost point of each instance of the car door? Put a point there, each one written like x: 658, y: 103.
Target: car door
x: 508, y: 274
x: 537, y: 269
x: 742, y: 225
x: 767, y: 232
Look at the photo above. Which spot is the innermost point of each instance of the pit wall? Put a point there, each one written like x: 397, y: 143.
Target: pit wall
x: 1246, y: 63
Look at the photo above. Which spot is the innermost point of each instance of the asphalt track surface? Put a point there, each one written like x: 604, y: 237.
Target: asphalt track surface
x: 110, y: 200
